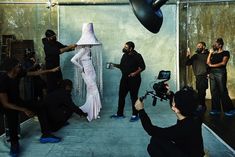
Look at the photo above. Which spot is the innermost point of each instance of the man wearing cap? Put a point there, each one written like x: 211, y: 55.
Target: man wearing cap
x: 53, y: 49
x: 184, y: 139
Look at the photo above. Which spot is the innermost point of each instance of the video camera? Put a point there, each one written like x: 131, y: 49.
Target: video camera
x: 160, y: 89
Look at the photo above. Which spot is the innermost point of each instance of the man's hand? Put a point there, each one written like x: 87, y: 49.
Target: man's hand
x: 68, y: 48
x: 55, y: 69
x: 72, y: 46
x: 139, y: 105
x: 28, y: 113
x: 114, y: 65
x: 132, y: 74
x: 211, y: 51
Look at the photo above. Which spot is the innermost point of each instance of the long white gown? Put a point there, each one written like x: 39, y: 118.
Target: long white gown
x: 83, y: 61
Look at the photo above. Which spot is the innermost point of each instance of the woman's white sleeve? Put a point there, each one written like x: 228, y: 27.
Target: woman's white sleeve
x: 77, y: 58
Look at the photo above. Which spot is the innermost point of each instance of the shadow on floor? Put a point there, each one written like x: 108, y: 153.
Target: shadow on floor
x: 223, y: 126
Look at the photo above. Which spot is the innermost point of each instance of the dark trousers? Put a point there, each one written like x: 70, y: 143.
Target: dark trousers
x: 132, y: 85
x: 201, y: 86
x: 219, y: 91
x: 58, y: 117
x: 38, y: 86
x: 53, y: 80
x: 13, y: 121
x: 33, y: 88
x: 160, y: 147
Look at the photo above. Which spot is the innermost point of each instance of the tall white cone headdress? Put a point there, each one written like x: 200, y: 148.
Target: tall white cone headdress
x: 88, y: 36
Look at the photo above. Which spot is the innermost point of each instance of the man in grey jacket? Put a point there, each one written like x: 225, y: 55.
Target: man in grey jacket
x: 200, y: 69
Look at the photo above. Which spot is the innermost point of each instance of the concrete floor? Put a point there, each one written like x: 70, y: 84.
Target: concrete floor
x: 106, y: 137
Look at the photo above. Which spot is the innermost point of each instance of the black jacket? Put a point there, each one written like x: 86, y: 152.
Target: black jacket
x: 52, y: 53
x: 60, y: 106
x: 186, y: 134
x: 131, y: 63
x: 198, y: 62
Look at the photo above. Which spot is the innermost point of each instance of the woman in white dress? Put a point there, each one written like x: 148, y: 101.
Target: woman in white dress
x: 83, y: 60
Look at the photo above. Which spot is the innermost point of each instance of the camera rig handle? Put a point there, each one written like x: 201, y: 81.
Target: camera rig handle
x: 153, y: 96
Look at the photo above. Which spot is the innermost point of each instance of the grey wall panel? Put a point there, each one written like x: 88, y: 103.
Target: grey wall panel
x: 114, y: 25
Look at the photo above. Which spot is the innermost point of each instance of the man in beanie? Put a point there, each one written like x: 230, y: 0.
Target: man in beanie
x: 184, y: 139
x: 53, y: 49
x: 12, y: 104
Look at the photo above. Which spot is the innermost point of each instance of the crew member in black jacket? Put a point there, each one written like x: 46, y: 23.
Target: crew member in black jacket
x: 131, y: 66
x: 12, y: 104
x: 184, y: 139
x: 53, y: 49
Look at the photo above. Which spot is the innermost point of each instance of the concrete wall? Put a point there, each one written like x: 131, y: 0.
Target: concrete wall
x: 206, y: 22
x: 114, y: 25
x: 27, y: 21
x: 198, y: 22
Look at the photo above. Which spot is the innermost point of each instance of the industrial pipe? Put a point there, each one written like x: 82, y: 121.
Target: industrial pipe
x: 112, y: 3
x: 207, y: 1
x: 23, y: 2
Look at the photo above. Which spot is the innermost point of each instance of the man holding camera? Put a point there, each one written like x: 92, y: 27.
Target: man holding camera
x: 131, y: 65
x: 184, y: 139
